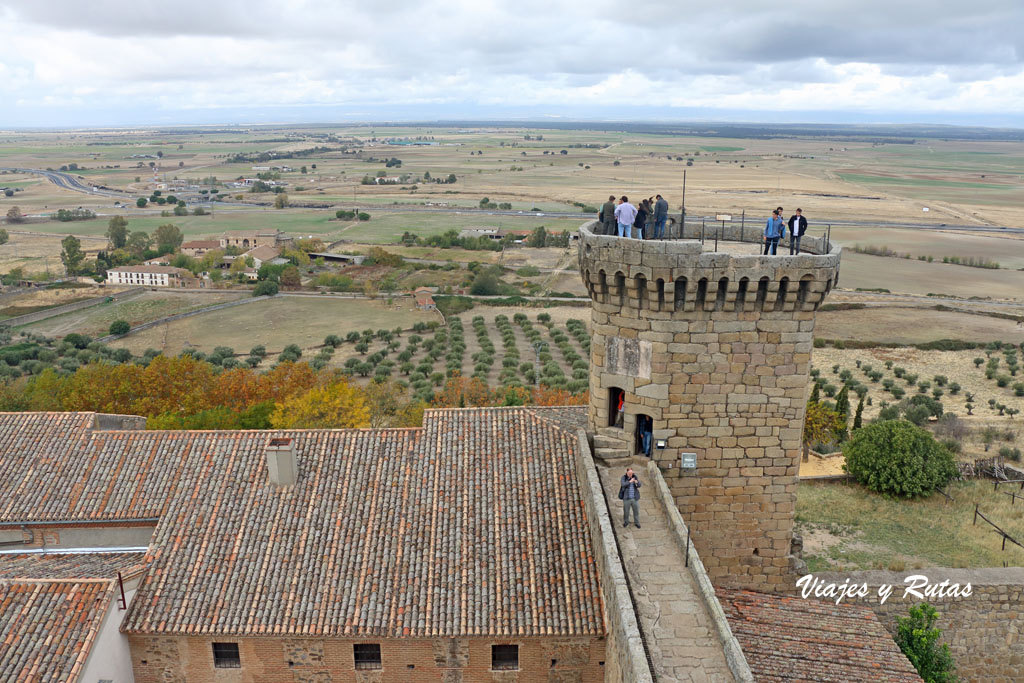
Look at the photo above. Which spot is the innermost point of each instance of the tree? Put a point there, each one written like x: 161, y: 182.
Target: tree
x: 858, y: 418
x: 71, y: 254
x: 451, y: 178
x: 897, y: 457
x: 336, y: 406
x: 537, y: 238
x: 265, y: 288
x: 290, y: 277
x: 820, y: 425
x: 281, y: 201
x: 815, y: 393
x: 119, y: 327
x: 918, y: 639
x: 485, y: 284
x: 14, y: 215
x: 168, y: 238
x: 141, y: 202
x: 117, y: 232
x: 4, y: 237
x: 137, y: 243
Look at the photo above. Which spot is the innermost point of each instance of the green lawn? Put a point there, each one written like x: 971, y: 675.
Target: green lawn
x: 864, y: 530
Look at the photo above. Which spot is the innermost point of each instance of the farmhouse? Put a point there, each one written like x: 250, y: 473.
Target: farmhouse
x: 196, y: 248
x: 151, y: 276
x: 249, y: 239
x: 262, y: 254
x: 424, y: 299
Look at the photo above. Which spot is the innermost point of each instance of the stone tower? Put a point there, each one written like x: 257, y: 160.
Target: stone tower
x: 713, y: 351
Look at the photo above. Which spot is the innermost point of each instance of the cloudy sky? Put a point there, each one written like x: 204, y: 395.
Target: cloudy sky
x: 116, y: 62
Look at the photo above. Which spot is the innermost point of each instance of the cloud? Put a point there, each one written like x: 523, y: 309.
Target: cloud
x: 145, y: 59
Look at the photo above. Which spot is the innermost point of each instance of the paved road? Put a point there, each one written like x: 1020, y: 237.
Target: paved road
x: 70, y: 182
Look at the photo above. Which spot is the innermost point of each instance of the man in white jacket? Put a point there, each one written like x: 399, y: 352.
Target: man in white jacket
x: 625, y: 214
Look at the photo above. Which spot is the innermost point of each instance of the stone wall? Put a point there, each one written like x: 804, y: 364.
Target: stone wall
x: 983, y: 631
x: 626, y: 659
x: 68, y: 308
x: 716, y: 349
x: 181, y: 659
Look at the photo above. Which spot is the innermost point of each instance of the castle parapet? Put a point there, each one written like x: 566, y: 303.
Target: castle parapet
x: 660, y: 276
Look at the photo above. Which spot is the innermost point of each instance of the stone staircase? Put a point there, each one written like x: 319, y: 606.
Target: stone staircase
x: 612, y: 444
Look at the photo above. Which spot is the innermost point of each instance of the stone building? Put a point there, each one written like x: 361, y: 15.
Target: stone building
x: 713, y: 351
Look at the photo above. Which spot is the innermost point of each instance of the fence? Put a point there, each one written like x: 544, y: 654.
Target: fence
x: 68, y: 308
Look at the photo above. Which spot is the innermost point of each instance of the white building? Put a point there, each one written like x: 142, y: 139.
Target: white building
x: 149, y: 276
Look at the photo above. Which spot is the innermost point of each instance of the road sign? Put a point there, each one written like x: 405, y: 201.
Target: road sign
x: 723, y: 217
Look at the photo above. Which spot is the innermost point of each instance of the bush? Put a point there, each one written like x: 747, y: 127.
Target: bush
x: 919, y: 641
x: 265, y: 288
x: 119, y: 327
x: 899, y: 458
x: 1010, y: 453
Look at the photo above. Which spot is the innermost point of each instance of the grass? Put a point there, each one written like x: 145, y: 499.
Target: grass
x: 918, y: 182
x: 865, y: 530
x: 276, y: 323
x: 95, y: 320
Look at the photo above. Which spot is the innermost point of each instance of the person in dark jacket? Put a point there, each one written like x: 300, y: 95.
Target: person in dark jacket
x: 797, y: 228
x: 629, y: 494
x: 660, y: 216
x: 774, y: 230
x: 607, y: 217
x: 642, y: 212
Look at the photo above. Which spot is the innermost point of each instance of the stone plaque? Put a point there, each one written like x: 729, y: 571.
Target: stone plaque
x: 628, y: 357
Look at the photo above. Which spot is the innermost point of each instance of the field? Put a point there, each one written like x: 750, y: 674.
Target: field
x: 274, y: 324
x: 847, y: 527
x: 150, y: 305
x: 913, y: 325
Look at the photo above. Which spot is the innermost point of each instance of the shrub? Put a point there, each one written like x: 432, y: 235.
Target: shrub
x: 119, y: 327
x: 1010, y: 453
x: 897, y: 457
x: 919, y: 641
x: 265, y: 288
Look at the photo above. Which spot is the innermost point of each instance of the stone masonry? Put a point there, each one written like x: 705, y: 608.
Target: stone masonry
x: 716, y: 349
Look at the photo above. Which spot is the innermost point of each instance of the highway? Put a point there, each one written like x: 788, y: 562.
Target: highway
x: 69, y: 182
x: 72, y: 183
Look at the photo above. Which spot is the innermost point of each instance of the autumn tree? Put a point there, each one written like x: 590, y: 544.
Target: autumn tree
x: 389, y: 407
x: 117, y: 232
x: 281, y: 201
x: 820, y: 425
x: 14, y: 215
x: 337, y: 406
x: 463, y: 392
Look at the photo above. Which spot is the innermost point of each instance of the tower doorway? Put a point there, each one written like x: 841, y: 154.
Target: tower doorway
x: 643, y: 435
x: 616, y: 407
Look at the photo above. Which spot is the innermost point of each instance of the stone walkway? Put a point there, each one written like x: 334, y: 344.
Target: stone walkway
x: 681, y: 637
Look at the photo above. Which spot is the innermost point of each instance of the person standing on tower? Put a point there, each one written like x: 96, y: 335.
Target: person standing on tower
x: 607, y: 216
x: 774, y: 229
x: 797, y: 228
x: 660, y: 216
x: 625, y: 214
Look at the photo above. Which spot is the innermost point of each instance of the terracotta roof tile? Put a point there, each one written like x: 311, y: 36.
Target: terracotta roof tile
x: 792, y: 639
x: 57, y: 565
x: 48, y: 627
x: 474, y: 524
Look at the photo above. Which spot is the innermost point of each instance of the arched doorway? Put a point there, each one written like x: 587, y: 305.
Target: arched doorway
x: 643, y: 436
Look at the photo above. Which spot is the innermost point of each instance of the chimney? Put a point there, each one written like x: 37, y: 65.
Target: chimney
x: 281, y: 463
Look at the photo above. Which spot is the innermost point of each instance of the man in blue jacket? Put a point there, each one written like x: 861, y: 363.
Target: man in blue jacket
x: 629, y: 494
x: 774, y: 230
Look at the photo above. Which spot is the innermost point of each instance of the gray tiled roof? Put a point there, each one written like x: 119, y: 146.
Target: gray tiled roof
x: 472, y: 525
x: 48, y: 627
x: 59, y: 565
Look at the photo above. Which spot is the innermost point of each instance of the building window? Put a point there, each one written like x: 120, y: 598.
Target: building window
x: 225, y: 656
x: 504, y: 657
x: 367, y: 655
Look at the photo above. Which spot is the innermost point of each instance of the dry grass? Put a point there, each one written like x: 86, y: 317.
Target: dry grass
x: 846, y: 527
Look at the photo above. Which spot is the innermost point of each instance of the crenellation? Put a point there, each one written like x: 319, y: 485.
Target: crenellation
x: 730, y: 341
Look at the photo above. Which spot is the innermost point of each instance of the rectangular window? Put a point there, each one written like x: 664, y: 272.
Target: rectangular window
x: 225, y: 656
x: 367, y: 655
x: 504, y: 657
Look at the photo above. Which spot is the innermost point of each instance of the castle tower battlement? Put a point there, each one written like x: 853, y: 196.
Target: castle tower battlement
x: 713, y: 351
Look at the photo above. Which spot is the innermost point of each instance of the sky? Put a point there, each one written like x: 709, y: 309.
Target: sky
x: 113, y: 62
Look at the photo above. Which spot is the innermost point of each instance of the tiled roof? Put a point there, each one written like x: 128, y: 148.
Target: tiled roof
x: 792, y: 639
x: 474, y: 524
x: 48, y: 627
x: 263, y: 253
x: 70, y: 565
